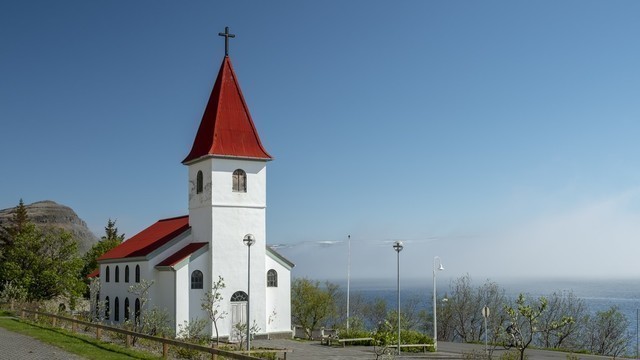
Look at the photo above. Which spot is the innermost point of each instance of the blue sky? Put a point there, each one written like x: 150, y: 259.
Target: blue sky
x: 499, y: 135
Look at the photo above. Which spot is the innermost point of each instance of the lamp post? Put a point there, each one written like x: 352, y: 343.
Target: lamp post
x: 397, y: 246
x: 435, y: 315
x: 348, y: 275
x: 249, y: 240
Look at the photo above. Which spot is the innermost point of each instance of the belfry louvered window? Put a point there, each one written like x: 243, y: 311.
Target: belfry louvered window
x: 239, y: 181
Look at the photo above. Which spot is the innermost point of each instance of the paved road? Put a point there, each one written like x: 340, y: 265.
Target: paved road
x: 20, y: 347
x: 303, y: 350
x: 457, y: 348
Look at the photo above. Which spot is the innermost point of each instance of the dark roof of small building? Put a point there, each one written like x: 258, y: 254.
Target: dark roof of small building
x: 149, y: 239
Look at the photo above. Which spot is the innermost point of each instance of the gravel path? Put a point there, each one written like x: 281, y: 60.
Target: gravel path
x: 20, y: 347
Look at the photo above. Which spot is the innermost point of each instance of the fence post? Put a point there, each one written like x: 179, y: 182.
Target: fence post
x: 214, y: 354
x: 165, y: 348
x: 74, y: 325
x: 22, y: 313
x: 35, y: 317
x: 98, y: 333
x: 128, y: 343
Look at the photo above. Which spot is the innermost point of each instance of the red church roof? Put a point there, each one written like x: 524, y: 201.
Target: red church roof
x: 182, y: 254
x: 94, y: 273
x: 226, y: 128
x: 149, y: 239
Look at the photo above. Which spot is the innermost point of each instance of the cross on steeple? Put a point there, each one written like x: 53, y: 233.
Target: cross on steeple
x: 226, y: 39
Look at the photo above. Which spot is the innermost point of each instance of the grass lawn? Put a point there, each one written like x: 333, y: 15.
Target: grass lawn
x: 81, y: 345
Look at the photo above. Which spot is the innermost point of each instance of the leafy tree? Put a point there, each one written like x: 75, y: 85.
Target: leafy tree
x: 8, y: 233
x: 12, y: 293
x: 97, y: 307
x: 110, y: 240
x: 19, y: 220
x: 211, y: 303
x: 311, y: 304
x: 412, y: 315
x: 357, y: 304
x: 607, y: 333
x: 44, y: 264
x: 525, y: 322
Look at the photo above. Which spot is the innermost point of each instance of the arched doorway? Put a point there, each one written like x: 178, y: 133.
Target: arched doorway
x: 239, y: 301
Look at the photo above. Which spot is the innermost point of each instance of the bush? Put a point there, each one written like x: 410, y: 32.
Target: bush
x: 265, y: 355
x: 356, y: 334
x: 191, y: 332
x: 414, y: 337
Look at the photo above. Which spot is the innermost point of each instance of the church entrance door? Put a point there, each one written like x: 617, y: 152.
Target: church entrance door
x: 239, y: 302
x: 238, y: 320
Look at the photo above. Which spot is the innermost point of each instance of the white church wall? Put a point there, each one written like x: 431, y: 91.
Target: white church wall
x: 200, y: 204
x: 117, y: 289
x: 182, y: 293
x: 164, y: 292
x: 222, y: 194
x: 195, y: 295
x: 278, y: 299
x: 230, y: 258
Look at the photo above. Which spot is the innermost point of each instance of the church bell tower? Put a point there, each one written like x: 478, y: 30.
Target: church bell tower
x: 227, y: 189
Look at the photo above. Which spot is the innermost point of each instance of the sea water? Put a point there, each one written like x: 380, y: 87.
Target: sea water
x: 598, y: 294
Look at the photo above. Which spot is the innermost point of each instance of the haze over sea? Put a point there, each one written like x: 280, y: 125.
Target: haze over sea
x: 598, y: 294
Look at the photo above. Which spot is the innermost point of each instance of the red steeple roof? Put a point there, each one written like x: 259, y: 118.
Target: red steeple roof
x: 226, y: 128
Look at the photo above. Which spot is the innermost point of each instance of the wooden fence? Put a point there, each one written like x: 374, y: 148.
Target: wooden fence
x: 245, y: 355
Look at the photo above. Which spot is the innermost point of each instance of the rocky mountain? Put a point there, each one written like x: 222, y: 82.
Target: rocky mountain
x: 47, y: 214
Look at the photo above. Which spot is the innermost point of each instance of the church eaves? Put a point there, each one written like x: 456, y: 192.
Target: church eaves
x: 226, y: 129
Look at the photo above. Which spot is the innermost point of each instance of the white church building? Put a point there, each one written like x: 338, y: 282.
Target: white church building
x: 184, y: 256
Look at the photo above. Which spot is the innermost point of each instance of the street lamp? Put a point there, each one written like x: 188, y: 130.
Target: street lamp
x: 248, y: 240
x: 397, y: 246
x: 348, y: 277
x: 435, y: 316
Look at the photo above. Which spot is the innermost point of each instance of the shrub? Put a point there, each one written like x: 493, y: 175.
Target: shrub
x: 355, y: 334
x: 414, y: 337
x: 191, y: 332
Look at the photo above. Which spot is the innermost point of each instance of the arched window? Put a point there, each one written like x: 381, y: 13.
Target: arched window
x: 107, y: 307
x: 106, y: 277
x: 196, y: 280
x: 136, y: 314
x: 116, y: 310
x: 272, y: 278
x: 126, y: 274
x: 239, y: 296
x: 117, y: 273
x: 137, y: 273
x: 239, y: 181
x: 126, y: 309
x: 199, y: 182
